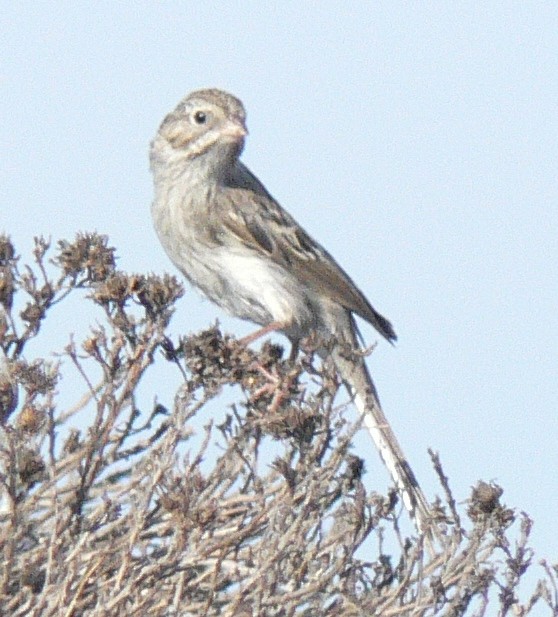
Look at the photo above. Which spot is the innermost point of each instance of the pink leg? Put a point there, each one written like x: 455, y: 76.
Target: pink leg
x: 272, y: 327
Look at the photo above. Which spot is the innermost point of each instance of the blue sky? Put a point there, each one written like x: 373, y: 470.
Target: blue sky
x: 416, y: 141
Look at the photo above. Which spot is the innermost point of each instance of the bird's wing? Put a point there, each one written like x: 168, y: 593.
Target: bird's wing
x: 248, y: 211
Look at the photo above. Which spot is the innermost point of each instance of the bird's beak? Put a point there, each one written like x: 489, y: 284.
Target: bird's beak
x: 236, y: 129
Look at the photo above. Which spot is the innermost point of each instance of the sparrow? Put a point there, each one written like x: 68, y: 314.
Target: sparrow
x: 232, y: 240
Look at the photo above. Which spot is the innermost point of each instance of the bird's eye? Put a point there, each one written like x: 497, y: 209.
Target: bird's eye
x: 200, y: 117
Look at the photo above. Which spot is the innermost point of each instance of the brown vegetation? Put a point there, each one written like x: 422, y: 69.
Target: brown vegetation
x: 109, y: 510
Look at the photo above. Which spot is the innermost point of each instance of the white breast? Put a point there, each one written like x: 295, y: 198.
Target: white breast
x: 262, y: 285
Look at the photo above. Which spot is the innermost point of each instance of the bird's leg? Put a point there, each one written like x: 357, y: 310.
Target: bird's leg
x: 274, y: 326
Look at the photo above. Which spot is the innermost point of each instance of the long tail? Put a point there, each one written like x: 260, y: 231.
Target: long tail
x: 352, y: 370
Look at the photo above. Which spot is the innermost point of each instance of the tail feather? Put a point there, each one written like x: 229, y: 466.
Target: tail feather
x: 356, y: 377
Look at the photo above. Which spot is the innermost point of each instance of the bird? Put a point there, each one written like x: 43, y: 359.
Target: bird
x: 233, y: 241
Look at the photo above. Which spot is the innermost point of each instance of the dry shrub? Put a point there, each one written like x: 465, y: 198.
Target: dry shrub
x: 108, y: 510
